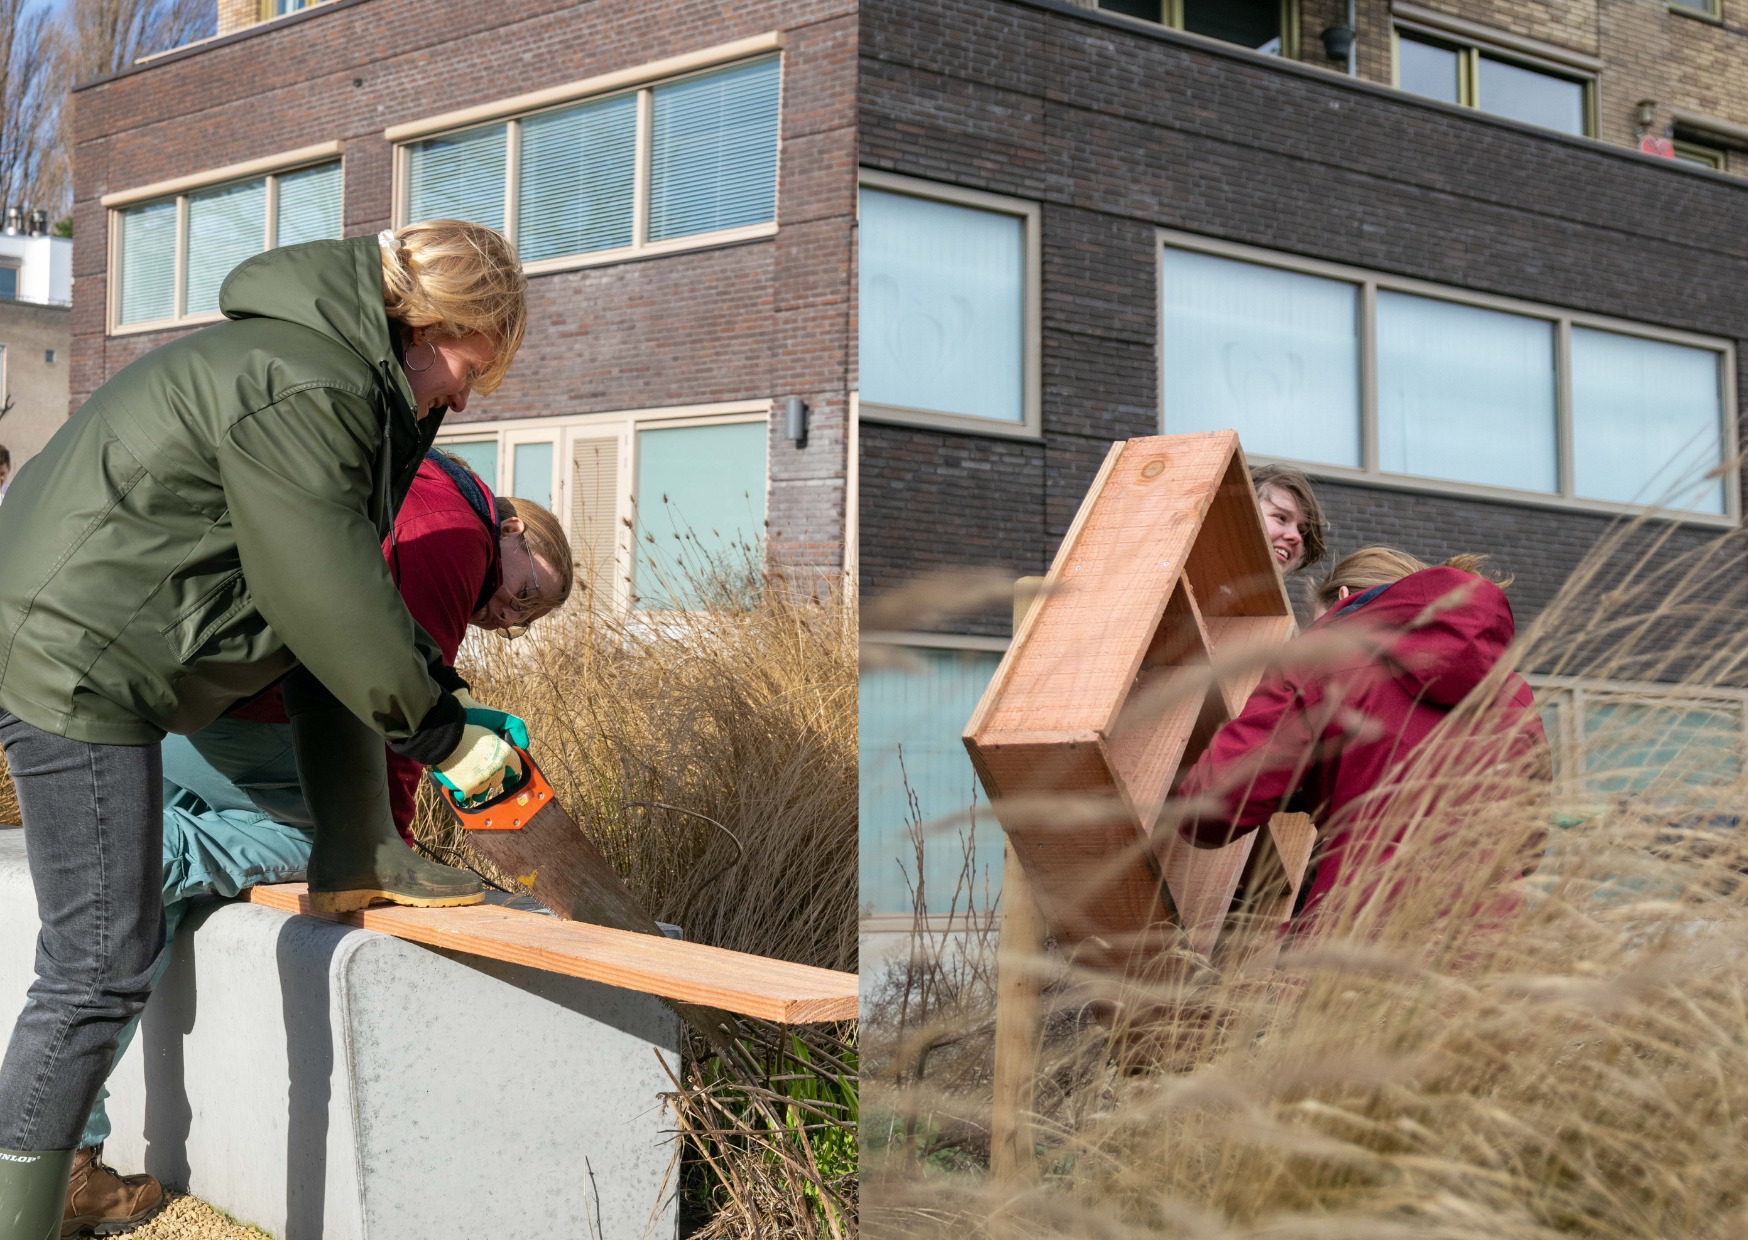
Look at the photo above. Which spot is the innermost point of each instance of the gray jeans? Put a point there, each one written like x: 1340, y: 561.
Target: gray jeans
x: 93, y: 826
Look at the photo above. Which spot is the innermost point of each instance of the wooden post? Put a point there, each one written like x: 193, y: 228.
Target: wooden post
x: 1019, y: 1019
x: 1019, y: 1026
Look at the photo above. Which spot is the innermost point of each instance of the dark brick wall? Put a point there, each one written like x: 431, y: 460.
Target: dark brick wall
x: 769, y: 319
x: 1118, y: 131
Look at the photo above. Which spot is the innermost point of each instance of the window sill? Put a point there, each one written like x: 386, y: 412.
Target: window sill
x: 1710, y: 19
x: 958, y: 423
x: 165, y: 325
x: 1500, y: 495
x: 629, y: 253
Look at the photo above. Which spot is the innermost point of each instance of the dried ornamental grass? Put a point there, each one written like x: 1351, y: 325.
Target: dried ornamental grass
x: 1429, y: 1065
x: 8, y: 797
x: 709, y: 753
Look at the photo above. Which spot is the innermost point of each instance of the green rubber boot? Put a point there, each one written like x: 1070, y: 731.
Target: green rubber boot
x: 33, y: 1193
x: 359, y: 857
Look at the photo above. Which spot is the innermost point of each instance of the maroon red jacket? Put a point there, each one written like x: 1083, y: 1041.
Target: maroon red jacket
x: 1338, y: 728
x: 447, y: 567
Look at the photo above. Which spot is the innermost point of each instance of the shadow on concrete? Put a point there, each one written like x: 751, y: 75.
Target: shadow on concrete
x: 309, y: 1054
x: 164, y: 1025
x: 626, y: 1011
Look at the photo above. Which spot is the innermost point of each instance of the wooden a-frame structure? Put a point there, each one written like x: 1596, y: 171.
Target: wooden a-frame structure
x: 1151, y: 630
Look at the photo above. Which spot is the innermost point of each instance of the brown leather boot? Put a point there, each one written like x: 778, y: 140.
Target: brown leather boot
x: 102, y: 1202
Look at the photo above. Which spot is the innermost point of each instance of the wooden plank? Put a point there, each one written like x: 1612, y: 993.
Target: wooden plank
x: 1246, y: 641
x: 1272, y: 883
x: 557, y: 864
x: 998, y: 683
x: 1106, y: 591
x: 774, y: 990
x: 1171, y: 707
x: 1294, y: 835
x: 1202, y: 882
x: 1232, y: 567
x: 1019, y: 1027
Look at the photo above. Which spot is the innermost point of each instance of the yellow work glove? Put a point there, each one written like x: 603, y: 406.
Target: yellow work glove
x: 479, y: 767
x: 510, y: 727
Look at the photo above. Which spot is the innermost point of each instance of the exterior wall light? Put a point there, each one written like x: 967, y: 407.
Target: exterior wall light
x: 795, y: 421
x: 1338, y: 42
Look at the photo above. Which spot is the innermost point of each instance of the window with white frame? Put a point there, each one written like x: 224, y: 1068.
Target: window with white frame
x: 662, y: 505
x: 947, y: 306
x: 171, y: 254
x: 1375, y: 377
x: 685, y: 162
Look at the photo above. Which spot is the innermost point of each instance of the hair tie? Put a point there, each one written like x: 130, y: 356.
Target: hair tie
x: 388, y: 241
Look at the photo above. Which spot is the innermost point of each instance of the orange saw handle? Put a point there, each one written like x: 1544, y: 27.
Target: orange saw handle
x: 510, y: 810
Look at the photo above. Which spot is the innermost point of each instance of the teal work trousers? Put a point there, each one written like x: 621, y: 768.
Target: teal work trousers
x: 234, y: 816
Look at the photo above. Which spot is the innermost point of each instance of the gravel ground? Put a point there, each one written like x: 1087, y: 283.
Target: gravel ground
x: 189, y: 1218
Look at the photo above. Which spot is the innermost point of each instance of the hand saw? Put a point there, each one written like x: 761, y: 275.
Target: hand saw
x: 525, y: 832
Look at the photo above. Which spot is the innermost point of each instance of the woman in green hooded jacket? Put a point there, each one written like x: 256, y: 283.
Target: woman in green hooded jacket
x: 209, y: 524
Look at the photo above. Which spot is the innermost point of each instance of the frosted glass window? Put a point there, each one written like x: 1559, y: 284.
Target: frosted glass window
x: 918, y: 716
x: 942, y: 307
x: 1465, y: 394
x: 225, y: 226
x: 309, y: 205
x: 458, y: 177
x: 700, y: 508
x: 1428, y: 69
x: 532, y: 464
x: 1646, y: 421
x: 148, y: 263
x: 713, y: 152
x: 481, y: 456
x: 1531, y: 96
x: 577, y: 173
x: 1271, y: 354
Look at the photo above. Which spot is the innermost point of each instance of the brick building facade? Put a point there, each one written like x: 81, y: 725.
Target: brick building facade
x: 349, y: 117
x: 1156, y: 165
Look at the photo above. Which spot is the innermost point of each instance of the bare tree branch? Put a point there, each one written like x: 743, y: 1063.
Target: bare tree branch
x: 44, y: 53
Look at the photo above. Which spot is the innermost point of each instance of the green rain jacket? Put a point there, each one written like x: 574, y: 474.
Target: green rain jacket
x: 214, y: 515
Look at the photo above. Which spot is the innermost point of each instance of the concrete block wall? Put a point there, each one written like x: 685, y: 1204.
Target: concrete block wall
x: 325, y: 1083
x: 1117, y: 130
x: 762, y: 320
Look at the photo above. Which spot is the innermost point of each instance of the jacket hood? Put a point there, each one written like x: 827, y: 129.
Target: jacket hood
x: 331, y: 287
x: 1443, y: 630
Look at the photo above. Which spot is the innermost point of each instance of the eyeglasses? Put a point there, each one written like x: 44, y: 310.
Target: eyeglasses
x: 529, y: 599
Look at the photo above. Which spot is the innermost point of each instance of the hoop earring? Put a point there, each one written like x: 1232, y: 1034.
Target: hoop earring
x: 419, y: 370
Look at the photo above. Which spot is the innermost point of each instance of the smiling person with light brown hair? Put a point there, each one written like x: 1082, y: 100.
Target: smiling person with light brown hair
x: 209, y: 523
x: 1292, y: 515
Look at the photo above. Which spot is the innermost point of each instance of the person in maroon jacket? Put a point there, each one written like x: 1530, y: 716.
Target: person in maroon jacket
x: 1335, y: 731
x: 234, y: 812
